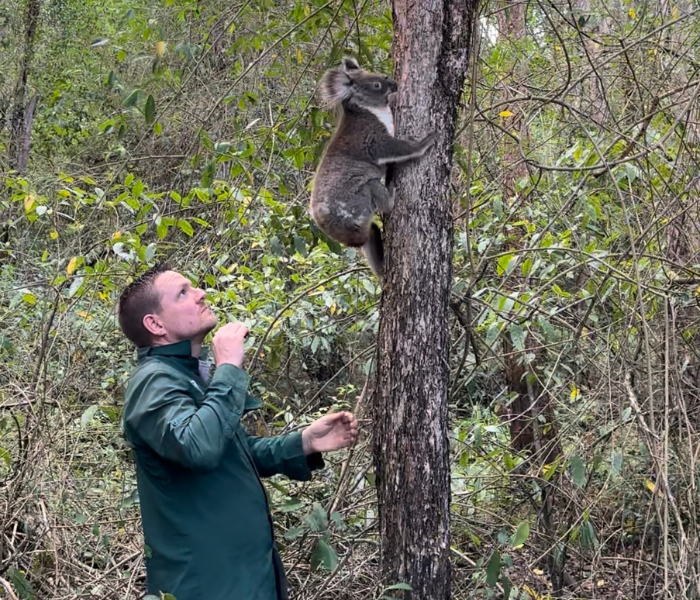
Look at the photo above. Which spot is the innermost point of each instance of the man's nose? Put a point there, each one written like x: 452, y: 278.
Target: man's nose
x: 201, y: 295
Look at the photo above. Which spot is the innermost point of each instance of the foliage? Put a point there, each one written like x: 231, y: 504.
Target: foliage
x: 189, y: 132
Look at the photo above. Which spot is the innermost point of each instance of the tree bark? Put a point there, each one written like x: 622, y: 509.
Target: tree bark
x: 22, y: 116
x: 431, y: 50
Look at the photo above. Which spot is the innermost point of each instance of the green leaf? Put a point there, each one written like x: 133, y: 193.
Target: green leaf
x: 150, y: 110
x: 29, y: 298
x: 504, y: 264
x: 131, y: 99
x: 398, y: 586
x: 518, y: 334
x: 291, y: 506
x: 161, y: 230
x: 89, y: 414
x: 208, y: 174
x: 588, y: 538
x: 5, y: 455
x: 578, y: 470
x: 521, y: 534
x: 300, y: 245
x: 507, y: 587
x: 150, y: 252
x: 616, y: 462
x: 186, y: 227
x: 317, y: 519
x: 294, y: 533
x: 493, y: 568
x: 130, y: 500
x: 324, y: 556
x: 19, y: 582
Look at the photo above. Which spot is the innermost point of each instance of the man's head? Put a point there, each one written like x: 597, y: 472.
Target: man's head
x: 162, y: 307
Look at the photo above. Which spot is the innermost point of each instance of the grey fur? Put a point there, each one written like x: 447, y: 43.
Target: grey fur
x: 348, y: 187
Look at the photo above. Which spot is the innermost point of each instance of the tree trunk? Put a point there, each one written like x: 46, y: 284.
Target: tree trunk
x: 431, y: 50
x: 22, y: 116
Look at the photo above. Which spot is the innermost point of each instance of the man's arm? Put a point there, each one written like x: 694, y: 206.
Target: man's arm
x: 167, y: 419
x: 297, y: 454
x: 283, y: 454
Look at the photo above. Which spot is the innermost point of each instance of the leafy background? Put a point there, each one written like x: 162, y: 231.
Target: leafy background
x: 189, y: 131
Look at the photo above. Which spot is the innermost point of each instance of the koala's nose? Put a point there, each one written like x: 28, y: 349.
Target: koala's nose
x: 392, y: 84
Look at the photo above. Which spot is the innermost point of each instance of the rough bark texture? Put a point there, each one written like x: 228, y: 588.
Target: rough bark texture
x: 22, y: 116
x: 431, y: 50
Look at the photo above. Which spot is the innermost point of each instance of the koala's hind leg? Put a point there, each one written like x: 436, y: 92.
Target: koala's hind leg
x: 382, y: 198
x: 374, y: 251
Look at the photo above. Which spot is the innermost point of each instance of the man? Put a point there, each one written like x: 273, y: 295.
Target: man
x: 206, y: 521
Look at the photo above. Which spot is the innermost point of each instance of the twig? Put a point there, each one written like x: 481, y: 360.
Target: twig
x: 8, y: 589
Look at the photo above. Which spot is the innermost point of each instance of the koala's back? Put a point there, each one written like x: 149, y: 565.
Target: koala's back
x: 341, y: 201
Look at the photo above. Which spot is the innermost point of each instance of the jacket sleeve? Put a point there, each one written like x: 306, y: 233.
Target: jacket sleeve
x: 283, y: 454
x: 167, y: 419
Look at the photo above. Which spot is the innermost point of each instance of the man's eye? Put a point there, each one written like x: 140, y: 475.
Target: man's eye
x: 183, y: 292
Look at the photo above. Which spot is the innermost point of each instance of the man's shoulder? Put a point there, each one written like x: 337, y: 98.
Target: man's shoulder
x: 151, y: 372
x: 152, y: 365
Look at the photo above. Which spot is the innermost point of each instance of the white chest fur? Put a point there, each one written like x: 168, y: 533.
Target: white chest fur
x: 385, y: 116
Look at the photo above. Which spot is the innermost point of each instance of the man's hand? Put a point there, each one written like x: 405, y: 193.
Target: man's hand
x: 227, y: 344
x: 332, y: 432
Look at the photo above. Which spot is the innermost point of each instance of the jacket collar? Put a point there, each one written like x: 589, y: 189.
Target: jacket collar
x: 178, y: 349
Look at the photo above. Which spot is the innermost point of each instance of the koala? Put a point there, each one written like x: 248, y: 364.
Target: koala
x: 348, y: 188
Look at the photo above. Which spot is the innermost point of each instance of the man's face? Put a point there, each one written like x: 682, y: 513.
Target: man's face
x: 183, y: 313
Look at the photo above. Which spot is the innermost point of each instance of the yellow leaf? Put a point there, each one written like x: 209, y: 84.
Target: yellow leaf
x: 53, y: 234
x: 676, y: 12
x: 601, y: 582
x: 632, y: 13
x: 160, y: 49
x: 532, y: 593
x: 574, y: 393
x: 300, y: 57
x: 29, y: 203
x: 70, y: 269
x: 652, y: 487
x: 538, y: 571
x: 116, y: 235
x: 505, y: 113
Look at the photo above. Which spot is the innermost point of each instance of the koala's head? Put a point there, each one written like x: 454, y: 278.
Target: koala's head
x: 350, y: 83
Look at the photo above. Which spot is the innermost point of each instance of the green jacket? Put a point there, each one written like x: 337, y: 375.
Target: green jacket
x: 206, y: 521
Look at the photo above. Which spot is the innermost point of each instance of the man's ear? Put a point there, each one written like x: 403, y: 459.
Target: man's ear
x: 154, y: 325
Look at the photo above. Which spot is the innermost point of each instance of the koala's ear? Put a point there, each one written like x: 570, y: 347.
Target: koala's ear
x: 350, y: 64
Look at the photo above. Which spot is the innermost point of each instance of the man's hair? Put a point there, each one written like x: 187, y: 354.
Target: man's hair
x: 140, y: 298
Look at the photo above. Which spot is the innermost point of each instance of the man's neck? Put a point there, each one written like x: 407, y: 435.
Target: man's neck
x: 196, y: 347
